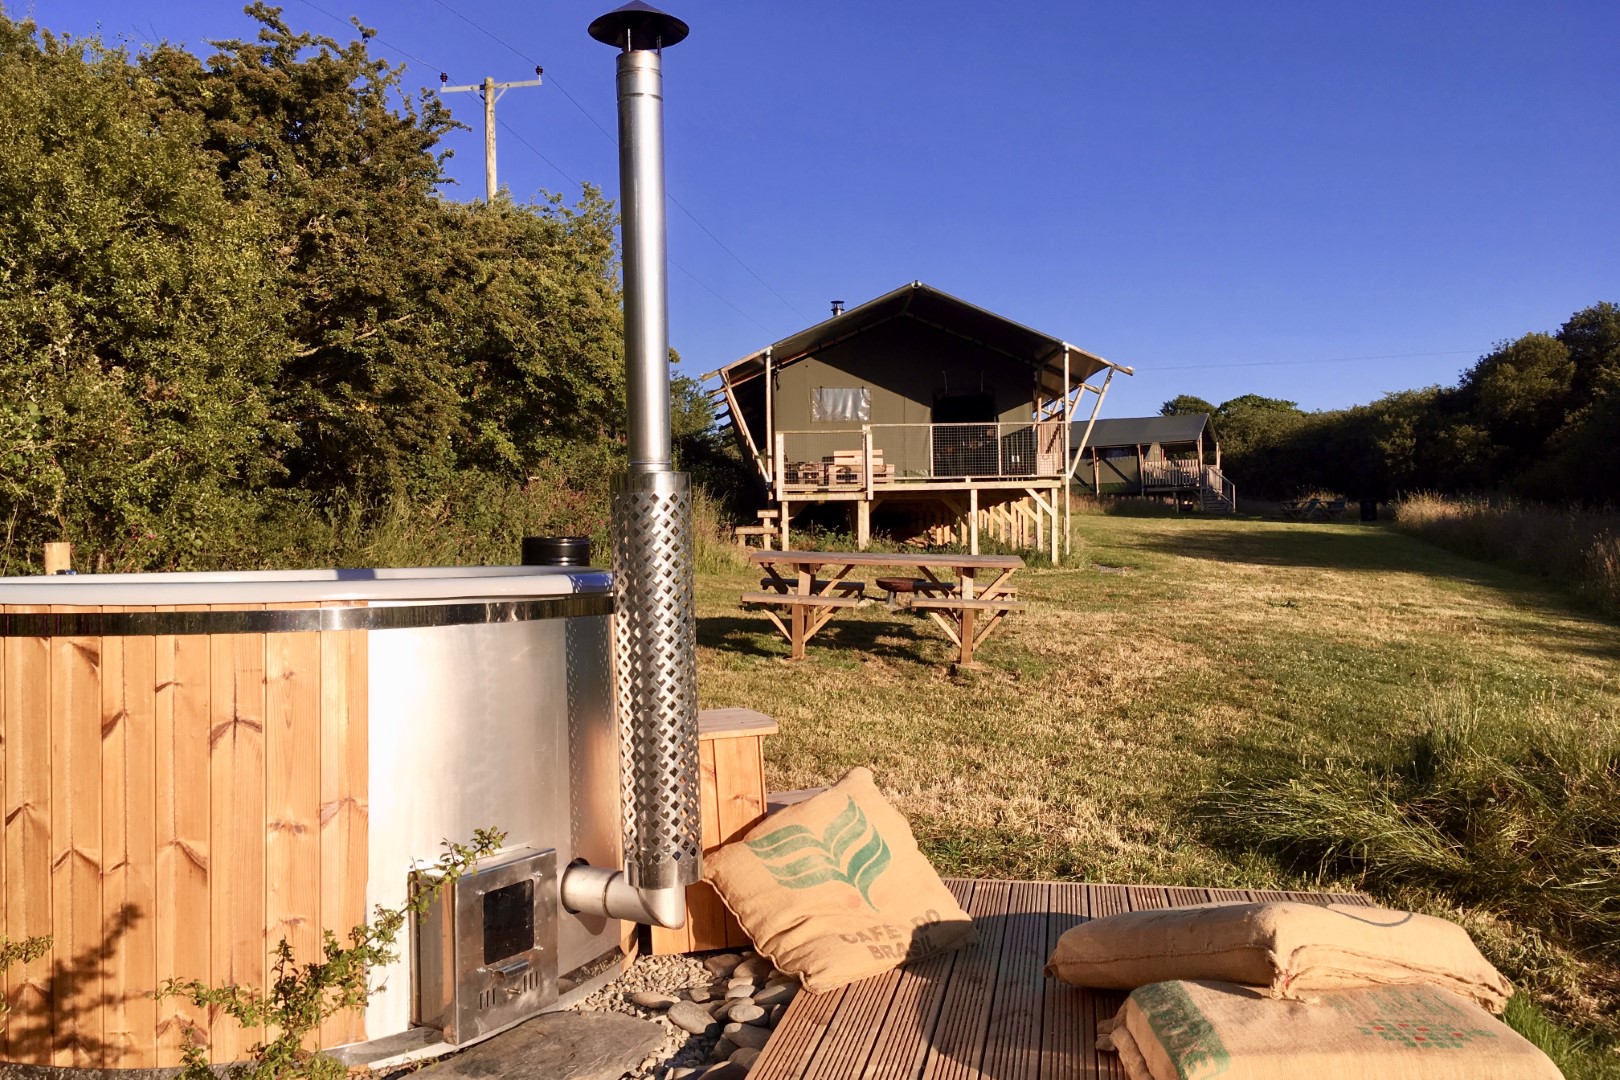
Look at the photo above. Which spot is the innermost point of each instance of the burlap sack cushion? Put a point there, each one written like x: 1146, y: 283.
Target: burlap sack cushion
x: 1291, y: 948
x: 1196, y: 1030
x: 834, y: 888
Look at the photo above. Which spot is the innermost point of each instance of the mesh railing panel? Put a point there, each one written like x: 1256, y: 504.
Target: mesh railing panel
x: 829, y: 460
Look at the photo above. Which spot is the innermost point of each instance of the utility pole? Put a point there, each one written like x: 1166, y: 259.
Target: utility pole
x: 491, y: 92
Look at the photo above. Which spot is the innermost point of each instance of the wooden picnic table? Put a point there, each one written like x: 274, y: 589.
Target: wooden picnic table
x: 964, y: 608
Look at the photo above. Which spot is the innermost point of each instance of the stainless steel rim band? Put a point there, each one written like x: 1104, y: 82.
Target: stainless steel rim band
x: 37, y: 624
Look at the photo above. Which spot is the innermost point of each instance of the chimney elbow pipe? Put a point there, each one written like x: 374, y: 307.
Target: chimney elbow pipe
x: 594, y: 890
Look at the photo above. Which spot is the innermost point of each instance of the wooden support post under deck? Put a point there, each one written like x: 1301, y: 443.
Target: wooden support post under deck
x: 973, y: 521
x: 1056, y: 519
x: 863, y: 524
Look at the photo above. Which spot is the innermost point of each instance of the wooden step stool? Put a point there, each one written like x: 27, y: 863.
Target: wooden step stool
x: 731, y: 773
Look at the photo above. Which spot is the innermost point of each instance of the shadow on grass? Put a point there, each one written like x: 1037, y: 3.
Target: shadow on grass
x: 896, y: 639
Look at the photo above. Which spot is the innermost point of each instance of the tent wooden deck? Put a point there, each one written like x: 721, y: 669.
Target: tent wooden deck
x: 988, y: 1011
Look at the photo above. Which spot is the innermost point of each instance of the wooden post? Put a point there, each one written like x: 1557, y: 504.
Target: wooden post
x: 863, y: 524
x: 786, y: 516
x: 58, y: 557
x: 1056, y: 519
x: 973, y: 520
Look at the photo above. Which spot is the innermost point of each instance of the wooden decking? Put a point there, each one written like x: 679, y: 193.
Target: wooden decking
x: 988, y: 1011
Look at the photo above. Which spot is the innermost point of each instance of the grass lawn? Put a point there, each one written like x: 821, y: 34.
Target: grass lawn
x: 1167, y: 653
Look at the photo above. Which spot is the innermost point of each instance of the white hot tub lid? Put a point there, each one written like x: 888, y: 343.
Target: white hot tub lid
x: 381, y: 586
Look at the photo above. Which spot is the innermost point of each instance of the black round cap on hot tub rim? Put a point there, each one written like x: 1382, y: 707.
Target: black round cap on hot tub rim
x: 649, y: 28
x: 556, y: 551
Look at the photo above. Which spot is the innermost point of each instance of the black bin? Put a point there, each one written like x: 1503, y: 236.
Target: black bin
x: 556, y: 551
x: 1369, y: 509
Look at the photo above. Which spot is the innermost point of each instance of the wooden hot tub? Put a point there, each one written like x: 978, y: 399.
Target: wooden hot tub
x: 195, y: 766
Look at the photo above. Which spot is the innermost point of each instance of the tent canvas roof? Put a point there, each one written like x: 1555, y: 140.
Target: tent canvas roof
x: 942, y: 312
x: 1143, y: 430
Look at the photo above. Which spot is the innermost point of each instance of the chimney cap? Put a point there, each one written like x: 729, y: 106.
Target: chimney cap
x: 645, y: 26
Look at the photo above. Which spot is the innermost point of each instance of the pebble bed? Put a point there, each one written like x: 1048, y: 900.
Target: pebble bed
x: 717, y: 1011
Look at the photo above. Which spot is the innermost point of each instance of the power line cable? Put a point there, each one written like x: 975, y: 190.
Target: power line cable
x: 559, y: 169
x: 378, y: 40
x: 613, y: 139
x: 512, y: 131
x: 1293, y: 363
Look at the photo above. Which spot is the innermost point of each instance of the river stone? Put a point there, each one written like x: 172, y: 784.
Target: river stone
x: 722, y: 1050
x: 756, y: 968
x: 690, y: 1017
x: 747, y: 1035
x: 718, y: 1009
x: 744, y: 1012
x: 652, y: 999
x: 743, y: 992
x: 745, y: 1056
x: 776, y: 1015
x: 779, y: 993
x: 729, y: 1071
x: 699, y: 993
x: 723, y: 965
x: 559, y: 1046
x: 736, y: 981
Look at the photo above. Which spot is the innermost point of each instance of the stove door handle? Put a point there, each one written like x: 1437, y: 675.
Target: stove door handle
x: 514, y: 967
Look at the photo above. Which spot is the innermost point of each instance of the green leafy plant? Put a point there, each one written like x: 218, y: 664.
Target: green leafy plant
x: 823, y: 860
x: 303, y: 996
x: 20, y: 952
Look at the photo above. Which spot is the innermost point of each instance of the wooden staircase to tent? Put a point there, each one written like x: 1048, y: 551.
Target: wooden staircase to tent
x: 1216, y: 494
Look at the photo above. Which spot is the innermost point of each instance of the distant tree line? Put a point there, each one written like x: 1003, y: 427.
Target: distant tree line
x: 233, y: 302
x: 1537, y: 418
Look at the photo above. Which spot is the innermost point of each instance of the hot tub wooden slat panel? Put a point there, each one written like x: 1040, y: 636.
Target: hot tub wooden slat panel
x: 76, y: 851
x: 184, y: 931
x: 5, y: 812
x: 128, y: 705
x: 172, y: 806
x: 292, y: 738
x: 344, y: 794
x: 26, y: 698
x: 237, y: 826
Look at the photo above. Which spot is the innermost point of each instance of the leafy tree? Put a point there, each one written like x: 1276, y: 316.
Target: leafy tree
x: 1519, y: 392
x: 138, y: 317
x: 1592, y: 336
x: 1186, y: 405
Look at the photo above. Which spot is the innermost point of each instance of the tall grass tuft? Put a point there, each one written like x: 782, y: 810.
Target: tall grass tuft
x: 1580, y: 547
x: 1508, y: 811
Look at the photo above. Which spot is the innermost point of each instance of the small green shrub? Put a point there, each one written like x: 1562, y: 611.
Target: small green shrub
x: 19, y: 952
x: 303, y: 996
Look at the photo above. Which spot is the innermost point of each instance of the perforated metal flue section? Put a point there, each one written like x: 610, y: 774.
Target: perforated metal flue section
x: 657, y: 678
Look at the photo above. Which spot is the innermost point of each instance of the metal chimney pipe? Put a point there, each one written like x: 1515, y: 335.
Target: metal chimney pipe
x: 652, y: 528
x: 837, y: 307
x: 646, y: 282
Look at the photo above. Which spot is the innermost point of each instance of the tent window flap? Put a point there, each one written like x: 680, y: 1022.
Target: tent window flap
x: 840, y: 404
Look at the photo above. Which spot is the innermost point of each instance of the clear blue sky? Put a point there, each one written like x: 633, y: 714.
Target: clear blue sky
x: 1229, y: 197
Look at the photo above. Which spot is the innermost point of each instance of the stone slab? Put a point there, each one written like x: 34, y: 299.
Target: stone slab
x: 557, y: 1046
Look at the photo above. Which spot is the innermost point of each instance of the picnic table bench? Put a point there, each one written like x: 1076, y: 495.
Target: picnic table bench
x: 965, y: 609
x: 985, y: 1011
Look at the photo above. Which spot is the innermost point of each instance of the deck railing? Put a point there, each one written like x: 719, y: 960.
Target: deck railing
x: 878, y: 454
x: 1162, y: 473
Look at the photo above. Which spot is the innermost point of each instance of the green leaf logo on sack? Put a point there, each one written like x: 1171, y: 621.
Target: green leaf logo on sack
x: 823, y: 857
